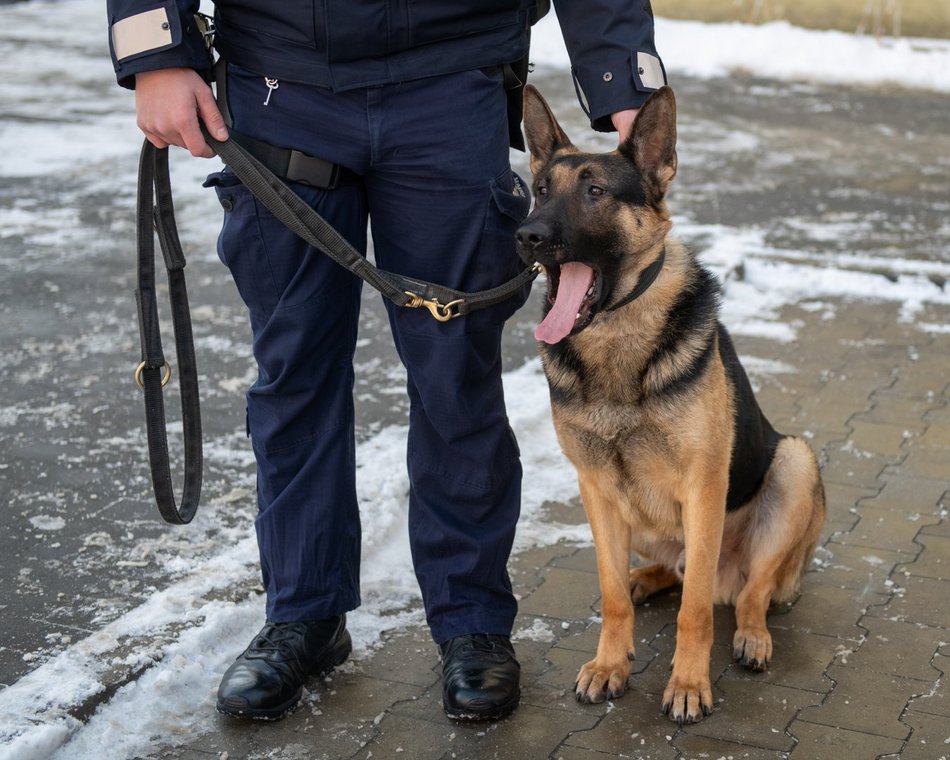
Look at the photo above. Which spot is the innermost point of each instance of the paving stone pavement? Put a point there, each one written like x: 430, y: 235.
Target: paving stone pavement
x: 860, y: 658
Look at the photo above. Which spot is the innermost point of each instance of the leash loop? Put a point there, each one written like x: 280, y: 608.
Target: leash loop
x: 155, y: 215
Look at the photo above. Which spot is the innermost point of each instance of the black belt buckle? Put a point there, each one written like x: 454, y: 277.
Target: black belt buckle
x: 309, y: 170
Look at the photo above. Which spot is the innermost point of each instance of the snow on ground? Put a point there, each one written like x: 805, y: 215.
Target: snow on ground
x: 188, y: 636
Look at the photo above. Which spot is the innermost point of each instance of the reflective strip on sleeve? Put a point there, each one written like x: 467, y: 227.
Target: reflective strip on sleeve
x: 650, y: 71
x: 141, y: 33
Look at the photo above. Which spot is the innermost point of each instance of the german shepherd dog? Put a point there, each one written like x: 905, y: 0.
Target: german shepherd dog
x: 674, y: 458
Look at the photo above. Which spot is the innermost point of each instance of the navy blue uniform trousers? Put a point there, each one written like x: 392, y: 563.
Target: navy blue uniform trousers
x: 428, y: 166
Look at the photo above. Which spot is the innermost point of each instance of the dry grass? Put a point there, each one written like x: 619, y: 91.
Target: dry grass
x: 909, y: 18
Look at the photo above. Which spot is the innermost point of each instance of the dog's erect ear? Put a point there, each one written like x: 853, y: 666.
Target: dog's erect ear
x: 652, y: 143
x: 544, y: 134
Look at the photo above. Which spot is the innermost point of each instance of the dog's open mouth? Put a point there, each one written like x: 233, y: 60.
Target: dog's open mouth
x: 573, y: 289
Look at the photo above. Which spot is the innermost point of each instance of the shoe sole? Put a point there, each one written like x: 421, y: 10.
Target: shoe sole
x: 497, y: 713
x: 336, y: 657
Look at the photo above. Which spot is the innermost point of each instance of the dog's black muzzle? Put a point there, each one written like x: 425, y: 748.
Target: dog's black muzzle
x: 535, y: 241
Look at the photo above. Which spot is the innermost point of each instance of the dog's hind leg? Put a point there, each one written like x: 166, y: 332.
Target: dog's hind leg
x: 787, y: 516
x: 649, y: 580
x: 605, y: 677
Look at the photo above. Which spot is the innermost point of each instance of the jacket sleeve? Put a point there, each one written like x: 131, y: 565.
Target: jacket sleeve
x: 147, y: 34
x: 614, y: 61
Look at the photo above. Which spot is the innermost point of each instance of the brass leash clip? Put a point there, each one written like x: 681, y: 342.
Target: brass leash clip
x: 442, y: 312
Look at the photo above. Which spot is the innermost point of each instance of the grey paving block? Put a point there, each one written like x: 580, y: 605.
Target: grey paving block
x: 936, y: 437
x: 584, y: 558
x: 407, y: 656
x: 534, y: 731
x: 936, y: 701
x: 559, y: 678
x: 865, y: 701
x: 566, y: 752
x: 845, y: 464
x: 904, y: 492
x: 582, y: 635
x: 532, y: 639
x: 799, y: 660
x: 403, y: 736
x: 904, y: 649
x: 565, y: 594
x: 939, y: 416
x: 531, y: 732
x: 821, y: 742
x: 923, y: 379
x: 885, y: 529
x: 755, y: 713
x: 925, y: 463
x: 696, y: 747
x: 896, y: 410
x: 883, y: 439
x: 917, y: 600
x: 247, y: 739
x: 930, y: 739
x: 830, y: 611
x: 527, y: 566
x: 830, y: 409
x: 858, y: 568
x: 934, y: 560
x: 840, y: 497
x: 631, y: 726
x: 570, y: 511
x: 940, y: 529
x: 837, y: 521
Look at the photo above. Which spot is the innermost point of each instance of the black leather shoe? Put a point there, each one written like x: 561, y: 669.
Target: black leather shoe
x: 480, y: 677
x: 266, y: 680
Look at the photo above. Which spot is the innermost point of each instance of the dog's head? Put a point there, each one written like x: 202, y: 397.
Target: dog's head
x: 599, y: 219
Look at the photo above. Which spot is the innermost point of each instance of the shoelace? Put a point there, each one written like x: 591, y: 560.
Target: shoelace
x: 483, y: 644
x: 275, y: 637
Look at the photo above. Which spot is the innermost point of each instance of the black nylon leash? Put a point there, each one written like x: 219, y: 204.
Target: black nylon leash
x: 155, y: 214
x: 443, y: 303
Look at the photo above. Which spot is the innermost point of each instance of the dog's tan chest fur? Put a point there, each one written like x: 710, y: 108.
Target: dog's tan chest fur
x: 639, y: 464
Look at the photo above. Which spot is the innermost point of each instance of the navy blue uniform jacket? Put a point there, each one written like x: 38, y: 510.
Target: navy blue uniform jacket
x: 346, y: 44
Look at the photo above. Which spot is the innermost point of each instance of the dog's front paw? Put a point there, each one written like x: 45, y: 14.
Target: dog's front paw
x: 687, y: 701
x: 597, y: 682
x: 752, y: 647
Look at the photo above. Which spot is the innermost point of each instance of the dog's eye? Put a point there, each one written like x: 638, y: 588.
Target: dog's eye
x: 596, y: 190
x: 542, y: 190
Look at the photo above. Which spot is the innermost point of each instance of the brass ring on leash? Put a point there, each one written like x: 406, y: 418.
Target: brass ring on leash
x: 165, y: 377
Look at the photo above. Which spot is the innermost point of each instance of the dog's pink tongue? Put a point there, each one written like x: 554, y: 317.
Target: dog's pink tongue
x: 575, y: 281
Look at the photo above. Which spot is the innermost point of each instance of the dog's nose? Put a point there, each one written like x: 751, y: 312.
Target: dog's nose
x: 531, y: 235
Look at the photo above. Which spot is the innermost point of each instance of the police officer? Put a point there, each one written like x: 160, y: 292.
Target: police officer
x: 400, y: 112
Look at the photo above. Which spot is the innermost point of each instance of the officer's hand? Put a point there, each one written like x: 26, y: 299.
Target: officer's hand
x: 168, y: 105
x: 623, y: 122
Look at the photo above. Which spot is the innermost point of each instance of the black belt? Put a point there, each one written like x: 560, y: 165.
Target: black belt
x: 291, y: 165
